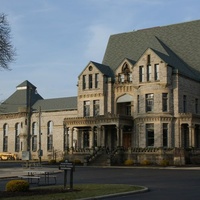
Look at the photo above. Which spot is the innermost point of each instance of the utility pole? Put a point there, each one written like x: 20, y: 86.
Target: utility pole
x: 40, y: 150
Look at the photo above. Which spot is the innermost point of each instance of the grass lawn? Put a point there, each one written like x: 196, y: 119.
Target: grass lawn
x: 79, y: 191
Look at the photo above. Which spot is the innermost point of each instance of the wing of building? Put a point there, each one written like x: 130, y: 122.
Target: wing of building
x: 144, y: 97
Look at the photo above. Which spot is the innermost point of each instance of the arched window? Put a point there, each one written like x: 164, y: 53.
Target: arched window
x: 17, y: 139
x: 5, y: 137
x: 126, y: 75
x: 34, y: 136
x: 50, y: 136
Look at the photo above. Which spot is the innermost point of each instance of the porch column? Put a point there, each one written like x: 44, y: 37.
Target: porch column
x: 177, y: 133
x: 170, y: 142
x: 92, y: 137
x: 66, y: 137
x: 75, y: 137
x: 71, y: 136
x: 98, y: 136
x: 103, y: 137
x: 191, y: 136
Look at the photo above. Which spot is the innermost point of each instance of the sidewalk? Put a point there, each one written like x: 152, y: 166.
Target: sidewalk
x: 14, y: 172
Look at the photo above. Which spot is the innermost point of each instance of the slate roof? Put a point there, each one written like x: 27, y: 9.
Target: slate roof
x: 20, y: 99
x: 25, y: 94
x: 56, y: 104
x: 178, y: 45
x: 106, y: 70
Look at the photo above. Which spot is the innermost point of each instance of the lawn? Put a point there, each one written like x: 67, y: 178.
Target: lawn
x: 78, y: 192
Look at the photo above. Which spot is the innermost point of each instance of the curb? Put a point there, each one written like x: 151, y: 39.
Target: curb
x: 145, y: 189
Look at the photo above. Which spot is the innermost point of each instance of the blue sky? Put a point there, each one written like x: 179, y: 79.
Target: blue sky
x: 56, y: 39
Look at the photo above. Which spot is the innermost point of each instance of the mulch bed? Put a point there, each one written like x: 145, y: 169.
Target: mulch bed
x: 31, y: 192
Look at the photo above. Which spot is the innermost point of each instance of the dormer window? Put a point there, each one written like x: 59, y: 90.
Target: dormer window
x: 125, y: 75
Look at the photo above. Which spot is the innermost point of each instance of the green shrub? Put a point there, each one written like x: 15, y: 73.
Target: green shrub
x: 128, y: 162
x: 77, y: 162
x: 164, y: 162
x: 145, y: 162
x: 17, y: 186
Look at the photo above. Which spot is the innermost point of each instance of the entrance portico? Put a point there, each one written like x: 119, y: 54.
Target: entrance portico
x: 102, y: 131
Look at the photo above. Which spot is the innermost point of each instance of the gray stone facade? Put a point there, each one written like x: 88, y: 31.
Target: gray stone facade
x: 145, y: 94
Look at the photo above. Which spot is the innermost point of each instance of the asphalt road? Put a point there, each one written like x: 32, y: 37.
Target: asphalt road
x: 172, y: 184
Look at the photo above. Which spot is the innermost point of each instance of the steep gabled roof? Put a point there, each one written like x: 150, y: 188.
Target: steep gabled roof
x: 103, y: 69
x: 56, y: 104
x: 182, y: 39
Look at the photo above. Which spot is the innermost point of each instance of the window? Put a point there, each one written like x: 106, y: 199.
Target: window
x: 5, y: 137
x: 148, y: 72
x: 184, y: 103
x: 96, y: 107
x: 50, y: 136
x: 196, y: 105
x: 165, y: 135
x: 141, y: 73
x: 34, y: 136
x: 90, y: 81
x: 96, y: 80
x: 149, y: 102
x: 84, y: 82
x: 130, y: 77
x: 86, y: 108
x: 17, y: 139
x: 121, y: 78
x: 125, y: 75
x: 148, y: 59
x: 128, y: 109
x: 138, y: 103
x: 150, y: 135
x: 164, y: 102
x: 157, y: 74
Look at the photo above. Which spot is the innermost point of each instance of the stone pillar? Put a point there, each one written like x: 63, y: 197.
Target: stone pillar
x: 75, y: 137
x: 71, y: 137
x: 91, y: 137
x: 103, y: 137
x: 177, y: 134
x: 99, y: 136
x: 191, y: 136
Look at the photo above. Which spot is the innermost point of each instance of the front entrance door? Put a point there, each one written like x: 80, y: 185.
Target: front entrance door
x: 126, y: 140
x: 85, y: 139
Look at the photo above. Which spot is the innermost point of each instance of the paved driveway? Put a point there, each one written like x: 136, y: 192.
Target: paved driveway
x: 172, y: 184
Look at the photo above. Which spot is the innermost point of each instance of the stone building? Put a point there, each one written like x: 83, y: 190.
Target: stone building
x: 144, y: 95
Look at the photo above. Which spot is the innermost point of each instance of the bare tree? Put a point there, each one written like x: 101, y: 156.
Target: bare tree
x: 7, y: 51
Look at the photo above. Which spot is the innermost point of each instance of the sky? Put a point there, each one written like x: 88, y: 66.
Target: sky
x: 56, y: 39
